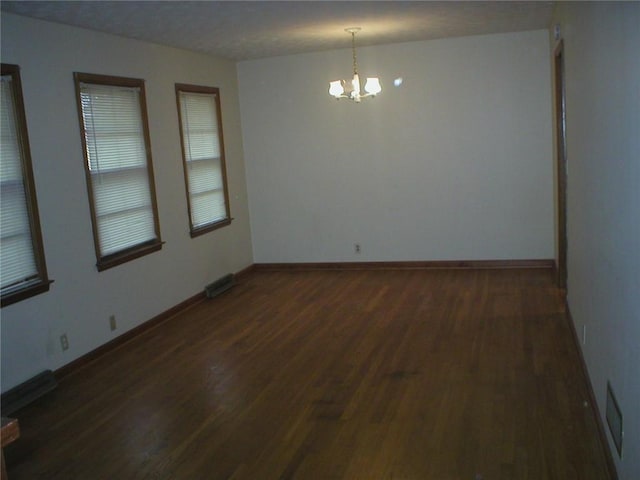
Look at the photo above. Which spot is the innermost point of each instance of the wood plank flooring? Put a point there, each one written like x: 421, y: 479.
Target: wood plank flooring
x: 399, y: 374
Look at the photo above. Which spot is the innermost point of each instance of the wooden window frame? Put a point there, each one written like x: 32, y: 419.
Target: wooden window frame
x: 41, y: 282
x: 215, y: 92
x: 105, y: 262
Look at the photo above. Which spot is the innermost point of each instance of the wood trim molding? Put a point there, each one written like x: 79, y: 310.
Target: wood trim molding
x: 117, y: 342
x: 611, y: 467
x: 41, y: 282
x: 417, y: 265
x: 244, y: 272
x: 212, y: 92
x: 560, y: 164
x: 89, y: 357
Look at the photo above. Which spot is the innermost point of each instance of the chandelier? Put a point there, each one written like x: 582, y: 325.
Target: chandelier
x: 351, y: 89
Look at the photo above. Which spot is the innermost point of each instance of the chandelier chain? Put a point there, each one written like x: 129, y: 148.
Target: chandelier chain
x: 353, y: 49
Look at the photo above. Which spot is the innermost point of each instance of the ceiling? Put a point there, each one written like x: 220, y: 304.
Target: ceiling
x: 242, y: 30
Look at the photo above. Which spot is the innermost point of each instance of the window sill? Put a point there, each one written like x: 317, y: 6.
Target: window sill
x: 196, y: 232
x: 33, y: 289
x: 125, y: 256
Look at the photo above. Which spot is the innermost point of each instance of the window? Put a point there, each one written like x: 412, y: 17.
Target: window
x: 203, y: 157
x: 23, y: 271
x: 118, y: 167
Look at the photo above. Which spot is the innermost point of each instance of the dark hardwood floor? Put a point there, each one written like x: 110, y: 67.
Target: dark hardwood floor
x: 399, y: 374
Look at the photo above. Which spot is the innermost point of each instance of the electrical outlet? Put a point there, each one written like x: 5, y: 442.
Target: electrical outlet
x: 112, y: 322
x: 64, y: 342
x: 356, y: 247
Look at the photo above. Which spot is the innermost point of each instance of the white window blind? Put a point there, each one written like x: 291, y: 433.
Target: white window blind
x: 117, y: 163
x: 203, y: 158
x: 18, y: 260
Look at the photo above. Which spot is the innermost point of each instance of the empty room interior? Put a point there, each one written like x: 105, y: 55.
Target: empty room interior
x: 410, y: 249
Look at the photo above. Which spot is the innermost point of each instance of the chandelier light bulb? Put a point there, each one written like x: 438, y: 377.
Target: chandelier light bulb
x: 373, y: 86
x: 336, y: 89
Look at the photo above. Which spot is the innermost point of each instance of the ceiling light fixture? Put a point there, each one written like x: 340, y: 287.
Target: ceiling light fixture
x: 351, y: 89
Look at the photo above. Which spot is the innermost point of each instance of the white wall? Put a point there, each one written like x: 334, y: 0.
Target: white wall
x: 602, y: 64
x: 81, y: 299
x: 454, y: 164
